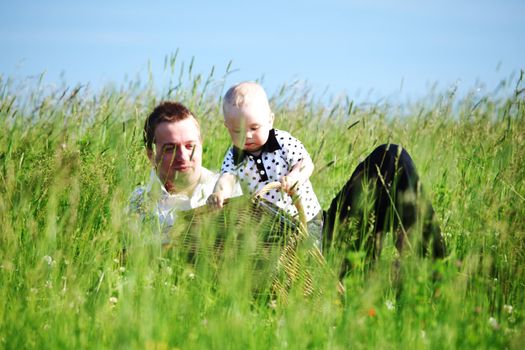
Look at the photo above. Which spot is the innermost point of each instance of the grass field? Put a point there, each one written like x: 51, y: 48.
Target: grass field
x: 69, y: 159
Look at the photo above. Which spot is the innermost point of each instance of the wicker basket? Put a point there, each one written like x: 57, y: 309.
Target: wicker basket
x: 280, y: 251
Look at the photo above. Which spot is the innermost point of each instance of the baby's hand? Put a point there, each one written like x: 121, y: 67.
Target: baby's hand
x: 289, y: 184
x: 215, y: 200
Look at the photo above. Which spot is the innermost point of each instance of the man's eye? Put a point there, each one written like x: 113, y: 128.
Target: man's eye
x: 169, y: 148
x: 190, y: 146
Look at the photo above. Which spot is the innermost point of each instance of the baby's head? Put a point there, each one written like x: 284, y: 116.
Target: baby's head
x: 247, y: 116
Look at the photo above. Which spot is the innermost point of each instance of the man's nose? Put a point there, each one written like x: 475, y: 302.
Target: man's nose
x: 249, y: 134
x: 180, y: 153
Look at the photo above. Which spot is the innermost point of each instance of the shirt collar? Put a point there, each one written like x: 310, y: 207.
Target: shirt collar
x: 155, y: 185
x: 271, y: 145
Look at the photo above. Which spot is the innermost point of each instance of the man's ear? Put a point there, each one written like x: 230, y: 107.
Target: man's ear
x: 151, y: 156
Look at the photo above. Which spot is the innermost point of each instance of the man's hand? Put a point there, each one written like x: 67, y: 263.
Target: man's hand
x: 216, y: 200
x: 289, y: 184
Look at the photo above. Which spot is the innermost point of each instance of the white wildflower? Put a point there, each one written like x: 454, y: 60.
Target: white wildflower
x: 390, y: 305
x: 48, y: 260
x: 493, y: 323
x: 508, y: 309
x: 113, y: 300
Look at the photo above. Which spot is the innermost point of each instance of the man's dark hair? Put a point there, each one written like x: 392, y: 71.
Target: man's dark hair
x: 165, y: 112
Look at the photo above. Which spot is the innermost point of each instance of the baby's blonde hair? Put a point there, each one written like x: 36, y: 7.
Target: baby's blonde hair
x: 244, y: 94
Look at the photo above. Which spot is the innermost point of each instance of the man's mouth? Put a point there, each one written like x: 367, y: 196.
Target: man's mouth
x: 181, y: 167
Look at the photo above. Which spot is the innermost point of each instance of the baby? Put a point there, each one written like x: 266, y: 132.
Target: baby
x: 261, y: 154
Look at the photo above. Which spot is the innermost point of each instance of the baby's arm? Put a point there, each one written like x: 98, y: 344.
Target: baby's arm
x: 299, y: 174
x: 224, y: 188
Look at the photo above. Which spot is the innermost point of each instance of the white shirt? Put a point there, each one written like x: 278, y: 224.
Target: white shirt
x: 279, y: 154
x: 153, y: 201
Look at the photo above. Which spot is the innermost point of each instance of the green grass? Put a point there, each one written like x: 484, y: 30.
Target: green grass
x: 69, y: 159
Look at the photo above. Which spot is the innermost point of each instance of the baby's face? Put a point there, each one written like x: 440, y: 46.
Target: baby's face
x: 249, y: 126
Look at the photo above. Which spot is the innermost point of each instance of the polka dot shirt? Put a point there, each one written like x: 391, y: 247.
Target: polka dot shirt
x: 280, y: 153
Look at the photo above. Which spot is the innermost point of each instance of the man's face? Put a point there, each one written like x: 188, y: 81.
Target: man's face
x: 177, y: 155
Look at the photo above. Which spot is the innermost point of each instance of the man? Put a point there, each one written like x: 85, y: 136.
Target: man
x: 383, y: 194
x: 178, y: 181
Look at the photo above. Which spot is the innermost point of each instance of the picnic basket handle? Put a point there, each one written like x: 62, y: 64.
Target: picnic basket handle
x: 315, y: 252
x: 276, y: 185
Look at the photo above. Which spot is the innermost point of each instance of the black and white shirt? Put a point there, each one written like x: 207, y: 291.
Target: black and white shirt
x: 280, y: 153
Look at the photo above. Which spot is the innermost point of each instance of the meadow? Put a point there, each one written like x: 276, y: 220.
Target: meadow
x: 70, y: 158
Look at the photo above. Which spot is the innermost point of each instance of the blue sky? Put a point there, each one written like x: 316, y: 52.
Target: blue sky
x: 363, y: 48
